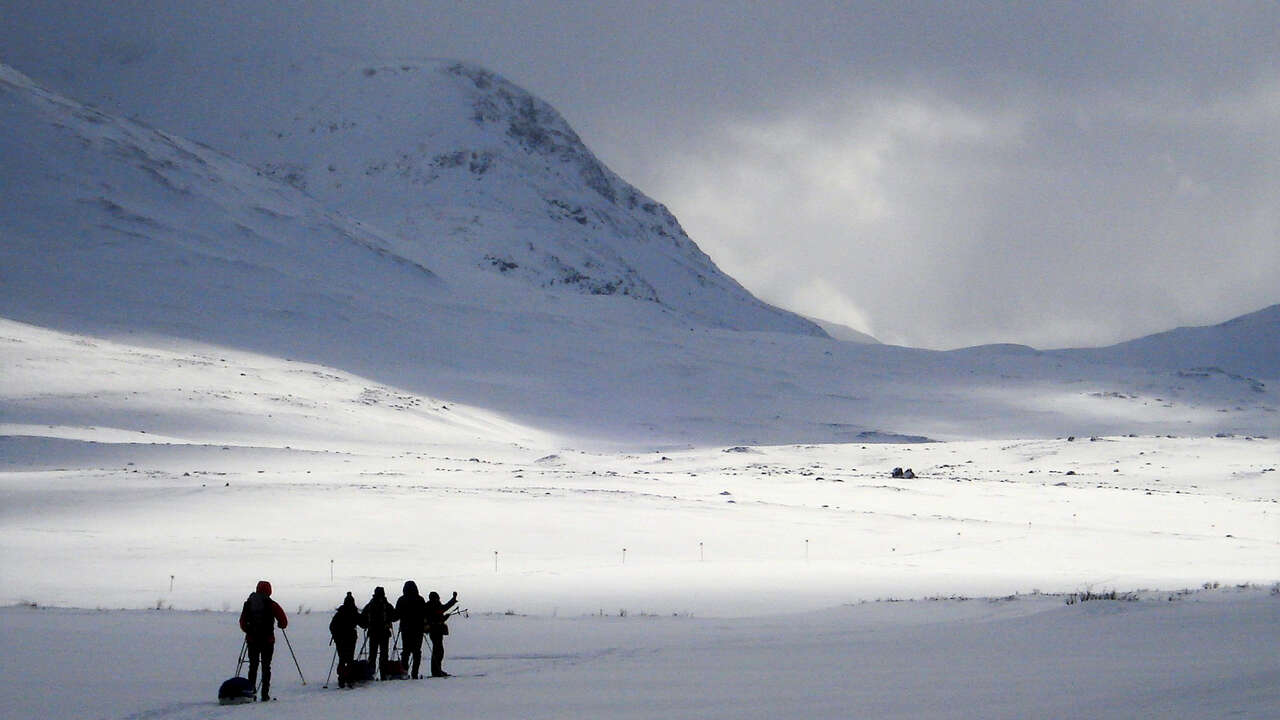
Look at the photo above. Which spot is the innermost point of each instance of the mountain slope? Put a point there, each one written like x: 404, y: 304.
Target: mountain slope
x: 466, y: 169
x: 472, y: 170
x: 843, y: 333
x: 112, y: 226
x: 1246, y: 345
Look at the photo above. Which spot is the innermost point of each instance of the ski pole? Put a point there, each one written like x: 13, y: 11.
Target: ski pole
x: 328, y: 677
x: 244, y: 650
x: 295, y: 657
x: 325, y: 686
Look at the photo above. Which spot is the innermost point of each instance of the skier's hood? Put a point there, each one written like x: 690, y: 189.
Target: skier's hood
x: 264, y: 587
x: 410, y: 587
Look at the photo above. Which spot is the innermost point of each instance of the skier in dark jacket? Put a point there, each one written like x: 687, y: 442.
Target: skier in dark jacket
x: 437, y: 629
x: 412, y: 610
x: 258, y: 620
x: 343, y: 630
x: 378, y: 616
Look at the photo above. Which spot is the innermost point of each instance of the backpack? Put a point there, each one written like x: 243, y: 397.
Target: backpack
x: 259, y: 617
x: 378, y: 614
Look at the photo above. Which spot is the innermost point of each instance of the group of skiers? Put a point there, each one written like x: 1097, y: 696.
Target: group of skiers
x: 417, y: 616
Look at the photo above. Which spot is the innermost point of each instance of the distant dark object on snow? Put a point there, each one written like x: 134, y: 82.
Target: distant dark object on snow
x: 907, y: 474
x: 739, y: 449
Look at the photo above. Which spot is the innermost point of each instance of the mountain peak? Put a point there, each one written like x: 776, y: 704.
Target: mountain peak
x: 469, y: 169
x: 454, y: 166
x: 533, y: 123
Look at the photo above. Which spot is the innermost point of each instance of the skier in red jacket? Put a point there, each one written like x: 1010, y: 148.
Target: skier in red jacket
x: 258, y: 620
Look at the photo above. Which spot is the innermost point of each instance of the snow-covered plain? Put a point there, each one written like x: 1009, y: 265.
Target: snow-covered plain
x: 1206, y: 655
x: 692, y: 581
x: 212, y: 464
x: 397, y: 322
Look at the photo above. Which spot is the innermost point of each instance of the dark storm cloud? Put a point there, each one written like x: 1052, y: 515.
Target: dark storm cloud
x: 938, y: 174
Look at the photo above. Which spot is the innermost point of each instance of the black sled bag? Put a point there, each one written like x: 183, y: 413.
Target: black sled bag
x: 357, y: 671
x: 394, y: 670
x: 235, y: 691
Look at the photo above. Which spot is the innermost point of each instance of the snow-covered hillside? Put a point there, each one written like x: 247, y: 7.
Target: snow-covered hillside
x: 1248, y: 345
x: 467, y: 168
x: 467, y: 171
x: 844, y: 333
x: 113, y: 227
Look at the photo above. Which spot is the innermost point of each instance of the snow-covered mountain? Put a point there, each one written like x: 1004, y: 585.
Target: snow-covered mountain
x: 464, y: 168
x: 119, y: 230
x: 1248, y: 345
x: 469, y: 169
x: 113, y: 227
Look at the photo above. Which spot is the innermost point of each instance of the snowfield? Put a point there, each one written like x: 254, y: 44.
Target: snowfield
x: 1207, y: 654
x: 703, y: 532
x: 157, y: 485
x: 137, y: 463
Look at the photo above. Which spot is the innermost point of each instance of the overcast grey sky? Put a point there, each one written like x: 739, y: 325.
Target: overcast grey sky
x: 936, y: 174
